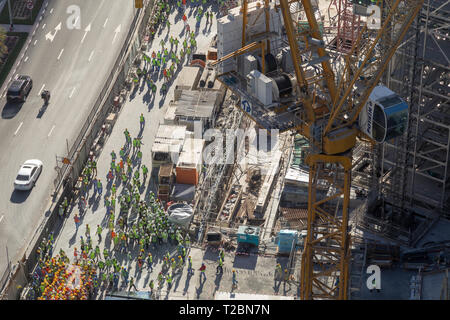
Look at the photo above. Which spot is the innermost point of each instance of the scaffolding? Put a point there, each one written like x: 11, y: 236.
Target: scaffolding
x: 416, y: 164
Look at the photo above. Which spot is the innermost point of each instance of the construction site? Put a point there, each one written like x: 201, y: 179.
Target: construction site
x: 313, y: 134
x: 386, y: 203
x: 393, y: 210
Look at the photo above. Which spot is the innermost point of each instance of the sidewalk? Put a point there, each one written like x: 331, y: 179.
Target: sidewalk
x: 153, y: 109
x: 255, y: 273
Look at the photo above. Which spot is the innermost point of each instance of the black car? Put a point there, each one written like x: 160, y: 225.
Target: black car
x: 19, y: 89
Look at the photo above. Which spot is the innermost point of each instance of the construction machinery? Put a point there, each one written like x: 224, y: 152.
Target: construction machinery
x: 332, y: 100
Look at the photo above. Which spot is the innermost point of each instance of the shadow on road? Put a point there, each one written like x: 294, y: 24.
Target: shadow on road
x: 42, y: 110
x: 19, y: 196
x: 11, y: 109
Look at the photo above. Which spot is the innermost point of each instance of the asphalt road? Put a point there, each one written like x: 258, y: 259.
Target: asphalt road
x: 73, y: 64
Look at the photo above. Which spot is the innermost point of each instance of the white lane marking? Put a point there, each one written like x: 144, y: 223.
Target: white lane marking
x: 39, y: 93
x: 20, y: 126
x: 90, y: 56
x: 26, y: 59
x: 50, y: 36
x: 44, y: 26
x: 62, y: 50
x: 51, y: 10
x: 116, y: 32
x: 88, y: 28
x: 76, y: 20
x: 35, y: 41
x: 1, y: 218
x: 71, y: 93
x: 50, y: 133
x: 106, y: 21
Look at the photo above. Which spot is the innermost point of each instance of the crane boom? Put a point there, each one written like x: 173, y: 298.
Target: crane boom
x: 399, y: 18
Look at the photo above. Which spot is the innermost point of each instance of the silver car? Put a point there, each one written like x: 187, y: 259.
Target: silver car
x: 28, y: 174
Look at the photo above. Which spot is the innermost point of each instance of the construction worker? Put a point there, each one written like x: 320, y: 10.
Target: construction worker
x: 190, y: 270
x: 152, y: 287
x: 121, y: 166
x: 132, y: 284
x: 142, y: 121
x: 150, y: 261
x: 139, y: 143
x: 188, y: 54
x: 99, y: 187
x: 77, y: 221
x: 278, y: 271
x: 183, y: 253
x: 234, y: 279
x: 144, y: 171
x: 286, y: 275
x: 105, y: 254
x: 160, y: 279
x: 99, y: 232
x: 97, y: 252
x: 202, y: 271
x: 61, y: 211
x: 174, y: 265
x: 110, y: 175
x: 134, y: 144
x: 220, y: 266
x: 169, y: 281
x: 88, y: 231
x: 93, y: 165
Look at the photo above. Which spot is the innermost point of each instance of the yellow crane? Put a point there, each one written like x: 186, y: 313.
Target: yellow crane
x: 330, y: 107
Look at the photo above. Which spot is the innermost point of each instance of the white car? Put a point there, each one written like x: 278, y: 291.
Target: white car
x: 28, y: 174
